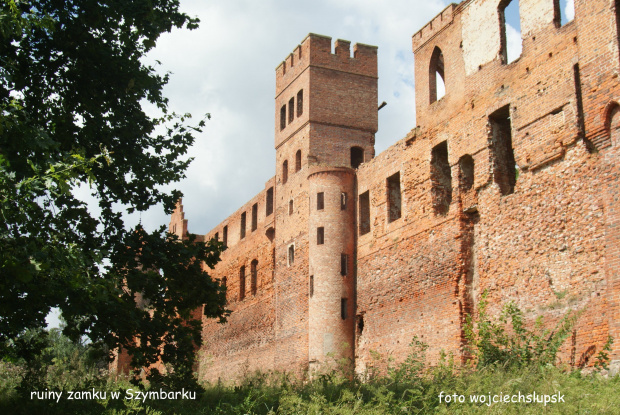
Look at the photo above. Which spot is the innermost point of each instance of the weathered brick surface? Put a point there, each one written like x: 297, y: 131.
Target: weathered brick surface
x: 549, y: 240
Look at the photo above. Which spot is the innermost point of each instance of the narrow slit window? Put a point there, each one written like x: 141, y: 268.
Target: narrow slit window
x: 320, y: 235
x: 344, y: 264
x: 269, y: 202
x: 343, y: 308
x: 254, y: 216
x: 466, y: 173
x: 504, y: 167
x: 225, y: 235
x: 441, y: 179
x: 510, y: 29
x: 242, y: 228
x: 343, y: 201
x: 282, y: 117
x: 297, y: 161
x: 285, y: 172
x: 364, y: 202
x: 357, y: 156
x: 394, y: 197
x: 436, y: 77
x: 290, y: 207
x: 291, y: 110
x: 253, y: 276
x: 242, y: 283
x: 311, y: 285
x: 300, y: 102
x: 291, y: 255
x: 320, y: 201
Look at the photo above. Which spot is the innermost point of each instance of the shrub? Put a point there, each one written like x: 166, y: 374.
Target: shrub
x: 491, y: 344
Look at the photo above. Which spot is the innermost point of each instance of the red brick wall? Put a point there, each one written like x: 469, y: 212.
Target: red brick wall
x: 550, y: 244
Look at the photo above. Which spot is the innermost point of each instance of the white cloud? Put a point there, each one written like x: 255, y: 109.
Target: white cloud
x: 514, y: 43
x: 227, y: 68
x: 569, y: 10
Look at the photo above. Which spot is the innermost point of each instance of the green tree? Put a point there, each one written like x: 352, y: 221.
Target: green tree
x: 72, y: 85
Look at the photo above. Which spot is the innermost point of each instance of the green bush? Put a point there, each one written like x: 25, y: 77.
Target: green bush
x: 496, y: 343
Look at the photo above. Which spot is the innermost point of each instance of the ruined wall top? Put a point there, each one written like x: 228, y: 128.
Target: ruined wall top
x: 433, y: 27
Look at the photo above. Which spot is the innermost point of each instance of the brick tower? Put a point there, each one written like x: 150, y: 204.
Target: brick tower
x: 326, y: 118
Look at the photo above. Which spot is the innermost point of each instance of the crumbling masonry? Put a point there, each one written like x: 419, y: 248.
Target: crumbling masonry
x: 508, y: 184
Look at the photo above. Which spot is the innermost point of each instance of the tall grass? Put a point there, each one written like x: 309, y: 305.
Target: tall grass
x: 507, y: 359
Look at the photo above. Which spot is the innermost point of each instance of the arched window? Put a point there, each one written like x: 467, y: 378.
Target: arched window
x: 282, y: 117
x: 285, y: 172
x: 254, y: 276
x: 298, y: 161
x: 436, y: 78
x: 300, y: 101
x: 613, y: 127
x: 357, y: 156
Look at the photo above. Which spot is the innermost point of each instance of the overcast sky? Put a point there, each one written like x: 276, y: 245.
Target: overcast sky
x: 227, y: 68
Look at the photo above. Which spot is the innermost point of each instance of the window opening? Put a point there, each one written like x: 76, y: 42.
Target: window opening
x: 394, y: 197
x: 466, y: 172
x: 357, y: 156
x: 311, y: 285
x: 291, y: 255
x: 364, y: 202
x: 253, y: 276
x: 242, y: 283
x: 282, y: 117
x: 242, y: 232
x: 300, y: 102
x: 298, y: 161
x: 343, y: 201
x: 613, y: 128
x: 504, y: 171
x: 225, y: 235
x: 441, y: 179
x: 320, y: 235
x: 344, y: 264
x: 290, y: 207
x: 216, y: 236
x: 437, y: 86
x: 564, y: 11
x: 269, y: 202
x: 291, y: 110
x: 343, y: 308
x: 510, y: 30
x: 254, y: 216
x: 320, y: 201
x: 285, y: 172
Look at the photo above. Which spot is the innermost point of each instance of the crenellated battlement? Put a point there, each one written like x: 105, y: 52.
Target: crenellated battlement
x: 316, y: 50
x: 433, y: 27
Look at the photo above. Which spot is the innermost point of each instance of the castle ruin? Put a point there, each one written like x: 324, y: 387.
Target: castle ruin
x: 507, y: 184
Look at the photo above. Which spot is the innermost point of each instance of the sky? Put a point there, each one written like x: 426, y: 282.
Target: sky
x: 227, y: 68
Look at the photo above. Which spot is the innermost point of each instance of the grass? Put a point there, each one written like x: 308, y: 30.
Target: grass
x: 508, y: 359
x: 402, y: 391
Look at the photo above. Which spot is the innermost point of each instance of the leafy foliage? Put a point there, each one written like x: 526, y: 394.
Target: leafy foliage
x: 72, y: 86
x: 490, y: 343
